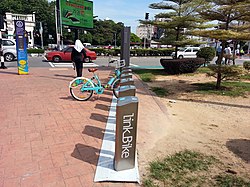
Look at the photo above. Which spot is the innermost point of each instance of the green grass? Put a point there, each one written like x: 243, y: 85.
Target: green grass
x: 231, y: 180
x: 161, y: 92
x: 233, y: 89
x: 245, y: 77
x: 189, y: 168
x: 203, y: 70
x: 148, y: 75
x: 177, y: 170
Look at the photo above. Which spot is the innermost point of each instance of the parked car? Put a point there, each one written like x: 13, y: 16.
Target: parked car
x: 65, y: 55
x: 9, y: 49
x: 187, y: 52
x: 108, y: 47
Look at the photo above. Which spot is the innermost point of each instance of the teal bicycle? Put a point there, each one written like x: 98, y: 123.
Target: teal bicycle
x: 82, y: 88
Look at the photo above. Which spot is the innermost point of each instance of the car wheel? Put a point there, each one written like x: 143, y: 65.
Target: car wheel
x: 87, y: 60
x: 8, y: 57
x: 56, y: 59
x: 180, y: 57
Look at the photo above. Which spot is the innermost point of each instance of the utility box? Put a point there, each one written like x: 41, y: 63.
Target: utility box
x: 126, y: 132
x: 128, y: 90
x: 125, y: 82
x: 126, y: 76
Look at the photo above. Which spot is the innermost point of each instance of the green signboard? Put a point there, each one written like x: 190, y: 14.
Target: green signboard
x: 77, y: 13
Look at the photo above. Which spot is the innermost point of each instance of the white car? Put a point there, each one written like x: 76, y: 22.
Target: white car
x: 9, y: 49
x: 187, y: 52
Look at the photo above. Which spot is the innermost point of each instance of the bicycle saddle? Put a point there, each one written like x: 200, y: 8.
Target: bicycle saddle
x: 92, y: 70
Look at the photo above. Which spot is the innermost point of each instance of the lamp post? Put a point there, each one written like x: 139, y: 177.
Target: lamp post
x: 146, y: 37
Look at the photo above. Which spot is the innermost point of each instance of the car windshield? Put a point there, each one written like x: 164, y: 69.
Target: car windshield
x: 182, y: 48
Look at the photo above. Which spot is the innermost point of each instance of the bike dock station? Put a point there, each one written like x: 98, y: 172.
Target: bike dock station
x: 118, y: 157
x: 120, y: 138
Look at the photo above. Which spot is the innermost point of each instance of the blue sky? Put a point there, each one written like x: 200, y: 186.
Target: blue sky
x: 126, y: 11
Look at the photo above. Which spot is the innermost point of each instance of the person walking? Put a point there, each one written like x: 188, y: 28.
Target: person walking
x: 228, y: 55
x: 242, y: 53
x: 218, y: 52
x: 77, y: 56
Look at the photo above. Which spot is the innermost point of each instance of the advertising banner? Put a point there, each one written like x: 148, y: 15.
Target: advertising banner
x: 21, y: 47
x: 77, y: 13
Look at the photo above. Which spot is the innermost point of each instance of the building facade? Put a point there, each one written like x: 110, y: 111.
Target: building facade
x: 30, y: 23
x: 145, y: 31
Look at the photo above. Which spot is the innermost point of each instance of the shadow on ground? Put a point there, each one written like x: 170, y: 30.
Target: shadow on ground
x: 94, y: 131
x: 90, y: 154
x: 240, y: 147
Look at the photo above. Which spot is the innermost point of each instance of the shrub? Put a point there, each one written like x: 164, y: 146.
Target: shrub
x: 208, y: 53
x: 246, y: 65
x: 178, y: 66
x: 35, y: 50
x: 227, y: 72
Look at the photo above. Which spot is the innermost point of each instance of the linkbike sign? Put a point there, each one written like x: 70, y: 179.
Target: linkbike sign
x: 126, y: 132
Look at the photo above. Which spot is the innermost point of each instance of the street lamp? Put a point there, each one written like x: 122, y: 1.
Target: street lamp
x: 146, y: 37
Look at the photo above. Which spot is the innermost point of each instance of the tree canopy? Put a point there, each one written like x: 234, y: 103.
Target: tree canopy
x: 105, y: 32
x: 233, y: 19
x: 179, y: 16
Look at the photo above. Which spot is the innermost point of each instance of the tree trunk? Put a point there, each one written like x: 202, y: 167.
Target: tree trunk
x: 218, y: 83
x: 177, y: 39
x: 234, y: 55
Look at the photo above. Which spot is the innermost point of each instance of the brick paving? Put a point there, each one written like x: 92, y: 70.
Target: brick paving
x: 46, y: 137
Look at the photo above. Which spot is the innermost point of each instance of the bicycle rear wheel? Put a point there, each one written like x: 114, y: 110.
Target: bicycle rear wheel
x: 80, y: 88
x: 115, y: 86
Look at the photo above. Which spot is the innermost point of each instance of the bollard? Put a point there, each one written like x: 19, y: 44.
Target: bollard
x: 128, y: 90
x: 126, y: 129
x: 125, y: 82
x: 126, y: 67
x: 126, y: 71
x: 126, y: 76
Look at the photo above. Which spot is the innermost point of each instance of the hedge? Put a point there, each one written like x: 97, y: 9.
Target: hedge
x: 246, y: 65
x: 179, y: 66
x: 35, y: 51
x: 135, y: 52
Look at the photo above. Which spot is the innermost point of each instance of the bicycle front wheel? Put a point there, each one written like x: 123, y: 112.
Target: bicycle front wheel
x: 115, y: 86
x: 81, y: 88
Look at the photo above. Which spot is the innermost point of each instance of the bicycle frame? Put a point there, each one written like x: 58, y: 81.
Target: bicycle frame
x: 97, y: 86
x: 86, y: 85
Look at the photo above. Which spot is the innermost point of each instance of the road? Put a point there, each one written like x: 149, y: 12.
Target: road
x: 136, y: 62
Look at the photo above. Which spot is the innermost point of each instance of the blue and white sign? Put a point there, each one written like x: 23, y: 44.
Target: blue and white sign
x: 21, y: 47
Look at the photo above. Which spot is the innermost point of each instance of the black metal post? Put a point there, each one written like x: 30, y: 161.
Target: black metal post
x: 1, y: 52
x: 76, y: 34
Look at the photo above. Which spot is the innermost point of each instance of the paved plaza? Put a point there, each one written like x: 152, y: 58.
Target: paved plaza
x: 46, y: 137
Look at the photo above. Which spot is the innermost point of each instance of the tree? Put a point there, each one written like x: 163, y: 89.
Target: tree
x: 227, y: 13
x: 105, y: 32
x: 180, y: 16
x: 44, y: 12
x: 134, y: 38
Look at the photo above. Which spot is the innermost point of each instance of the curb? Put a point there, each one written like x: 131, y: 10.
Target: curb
x: 155, y: 97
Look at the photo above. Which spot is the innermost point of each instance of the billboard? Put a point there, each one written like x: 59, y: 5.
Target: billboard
x: 77, y: 13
